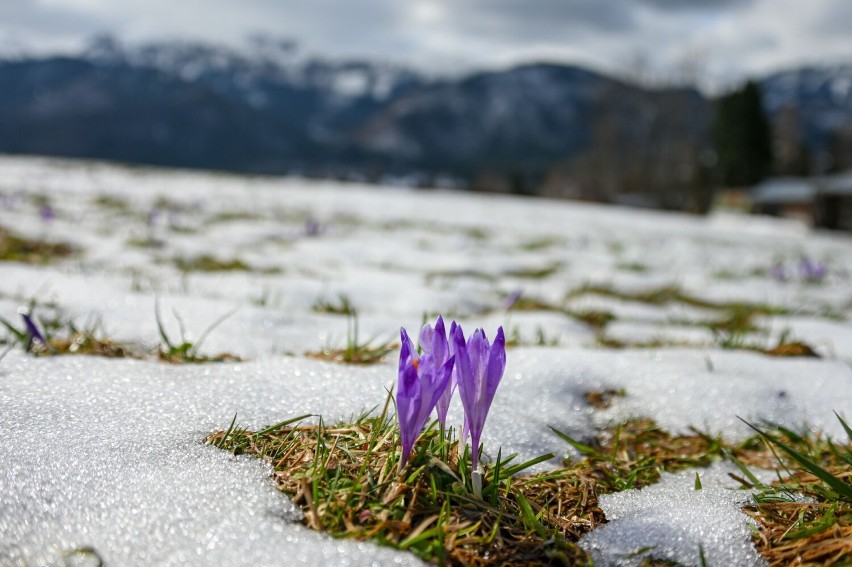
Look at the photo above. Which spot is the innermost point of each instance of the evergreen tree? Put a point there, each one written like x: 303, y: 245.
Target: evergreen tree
x: 742, y: 137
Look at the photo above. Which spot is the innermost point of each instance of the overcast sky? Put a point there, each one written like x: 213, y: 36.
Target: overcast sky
x: 720, y: 41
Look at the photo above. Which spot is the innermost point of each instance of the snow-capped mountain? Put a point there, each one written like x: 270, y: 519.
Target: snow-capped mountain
x: 267, y: 107
x: 829, y: 86
x: 261, y: 62
x: 821, y: 96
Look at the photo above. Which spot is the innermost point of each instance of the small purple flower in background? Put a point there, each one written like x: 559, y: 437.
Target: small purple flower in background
x: 312, y: 227
x: 153, y: 215
x: 812, y: 271
x: 47, y: 213
x: 10, y: 202
x: 512, y: 299
x: 480, y: 368
x: 33, y: 334
x: 422, y: 380
x: 778, y: 272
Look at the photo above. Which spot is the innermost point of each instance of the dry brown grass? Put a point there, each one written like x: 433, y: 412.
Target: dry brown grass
x: 345, y: 480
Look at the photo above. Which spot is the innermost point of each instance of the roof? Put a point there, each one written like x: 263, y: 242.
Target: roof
x: 784, y: 190
x: 838, y: 184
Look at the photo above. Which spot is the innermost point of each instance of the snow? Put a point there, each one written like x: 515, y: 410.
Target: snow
x: 677, y: 522
x: 107, y: 454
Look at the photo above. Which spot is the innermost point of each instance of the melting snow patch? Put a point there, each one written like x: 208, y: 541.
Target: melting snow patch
x: 674, y: 522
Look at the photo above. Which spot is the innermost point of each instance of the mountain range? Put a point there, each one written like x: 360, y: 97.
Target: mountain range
x: 266, y: 109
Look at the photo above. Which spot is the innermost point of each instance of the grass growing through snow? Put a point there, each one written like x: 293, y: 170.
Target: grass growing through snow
x: 65, y: 337
x: 343, y: 306
x: 355, y: 351
x: 344, y: 477
x: 806, y: 516
x: 186, y: 351
x: 15, y: 248
x: 733, y: 328
x: 208, y: 263
x: 737, y: 311
x: 346, y: 481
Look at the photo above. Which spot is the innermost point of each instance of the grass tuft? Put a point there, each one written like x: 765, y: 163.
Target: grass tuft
x: 15, y: 248
x: 806, y: 516
x: 345, y: 480
x: 344, y: 477
x: 355, y: 351
x: 207, y: 263
x: 343, y: 306
x: 65, y: 338
x: 186, y: 351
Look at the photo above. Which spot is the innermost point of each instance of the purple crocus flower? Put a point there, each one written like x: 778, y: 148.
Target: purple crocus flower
x: 33, y: 334
x: 47, y: 213
x: 778, y: 273
x: 312, y: 227
x: 422, y: 380
x: 434, y: 342
x: 480, y: 368
x: 512, y: 299
x: 812, y: 271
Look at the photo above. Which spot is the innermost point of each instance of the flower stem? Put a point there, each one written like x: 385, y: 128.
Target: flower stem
x: 476, y: 479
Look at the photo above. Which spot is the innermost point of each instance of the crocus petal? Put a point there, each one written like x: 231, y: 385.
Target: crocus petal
x: 408, y: 402
x: 477, y: 351
x: 465, y: 431
x: 442, y: 345
x: 464, y: 379
x: 433, y: 383
x: 427, y: 333
x: 496, y: 366
x: 443, y: 405
x: 32, y: 331
x: 439, y: 347
x: 427, y: 378
x: 407, y: 352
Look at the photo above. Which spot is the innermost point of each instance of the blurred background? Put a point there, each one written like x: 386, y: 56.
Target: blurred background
x: 681, y: 105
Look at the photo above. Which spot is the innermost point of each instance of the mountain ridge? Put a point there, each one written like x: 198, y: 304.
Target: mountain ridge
x: 267, y: 109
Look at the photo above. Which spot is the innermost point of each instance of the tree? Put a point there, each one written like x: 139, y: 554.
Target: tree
x: 742, y: 137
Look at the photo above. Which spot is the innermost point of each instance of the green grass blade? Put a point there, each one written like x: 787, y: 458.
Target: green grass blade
x: 515, y: 469
x: 817, y: 527
x: 20, y: 335
x: 495, y: 479
x: 841, y: 488
x: 283, y: 424
x: 528, y: 516
x: 160, y: 327
x: 581, y: 447
x: 745, y: 470
x: 845, y: 427
x: 228, y: 432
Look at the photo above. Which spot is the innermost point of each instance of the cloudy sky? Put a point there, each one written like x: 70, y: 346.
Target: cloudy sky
x: 718, y: 41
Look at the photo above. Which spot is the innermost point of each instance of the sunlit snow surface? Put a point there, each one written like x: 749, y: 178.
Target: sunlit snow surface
x: 674, y: 521
x: 106, y: 454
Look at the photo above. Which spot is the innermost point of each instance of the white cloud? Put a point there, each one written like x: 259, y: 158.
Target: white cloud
x: 725, y: 39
